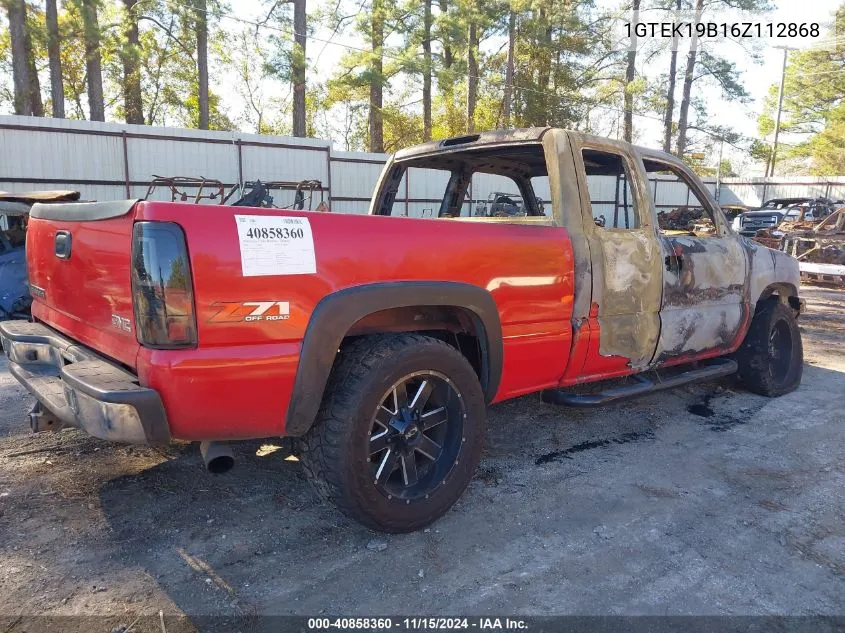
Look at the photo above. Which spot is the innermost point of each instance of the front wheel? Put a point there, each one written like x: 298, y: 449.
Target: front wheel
x: 399, y: 433
x: 771, y: 358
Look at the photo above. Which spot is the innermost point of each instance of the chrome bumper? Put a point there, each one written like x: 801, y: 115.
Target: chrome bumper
x: 80, y: 388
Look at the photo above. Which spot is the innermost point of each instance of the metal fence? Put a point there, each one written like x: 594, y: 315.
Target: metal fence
x: 107, y: 161
x: 755, y: 191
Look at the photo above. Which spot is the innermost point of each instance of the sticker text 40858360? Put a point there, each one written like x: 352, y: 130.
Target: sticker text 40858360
x: 274, y: 233
x: 275, y: 245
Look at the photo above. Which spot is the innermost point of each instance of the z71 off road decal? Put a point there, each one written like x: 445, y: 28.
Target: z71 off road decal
x: 275, y: 245
x: 237, y: 311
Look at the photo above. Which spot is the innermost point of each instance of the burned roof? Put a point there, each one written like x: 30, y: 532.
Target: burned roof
x: 459, y: 143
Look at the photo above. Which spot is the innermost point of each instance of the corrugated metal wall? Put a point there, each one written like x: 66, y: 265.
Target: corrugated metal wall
x: 755, y: 191
x: 107, y: 161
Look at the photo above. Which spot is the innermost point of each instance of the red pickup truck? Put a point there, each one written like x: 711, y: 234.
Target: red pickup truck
x: 377, y: 341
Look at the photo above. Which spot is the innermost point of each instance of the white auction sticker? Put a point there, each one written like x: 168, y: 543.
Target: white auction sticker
x: 275, y: 245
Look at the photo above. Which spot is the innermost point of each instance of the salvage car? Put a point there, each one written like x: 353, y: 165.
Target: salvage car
x: 769, y: 215
x: 787, y: 210
x: 811, y: 211
x: 377, y: 341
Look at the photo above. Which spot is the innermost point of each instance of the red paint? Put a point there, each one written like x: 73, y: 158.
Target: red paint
x: 591, y: 364
x: 238, y: 382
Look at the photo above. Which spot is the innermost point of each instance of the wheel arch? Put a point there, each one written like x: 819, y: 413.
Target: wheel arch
x: 783, y: 291
x: 390, y: 307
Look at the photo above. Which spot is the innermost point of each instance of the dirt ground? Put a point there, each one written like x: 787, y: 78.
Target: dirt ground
x: 702, y: 500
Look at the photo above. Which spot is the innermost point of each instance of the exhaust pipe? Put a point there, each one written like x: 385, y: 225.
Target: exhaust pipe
x: 217, y: 456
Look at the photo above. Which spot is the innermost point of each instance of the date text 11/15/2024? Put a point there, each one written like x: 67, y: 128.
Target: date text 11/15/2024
x: 418, y: 623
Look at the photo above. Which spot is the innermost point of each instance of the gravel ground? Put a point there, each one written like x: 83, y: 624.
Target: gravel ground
x: 702, y: 500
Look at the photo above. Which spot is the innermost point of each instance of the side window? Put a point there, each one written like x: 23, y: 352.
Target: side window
x: 680, y: 210
x: 609, y: 186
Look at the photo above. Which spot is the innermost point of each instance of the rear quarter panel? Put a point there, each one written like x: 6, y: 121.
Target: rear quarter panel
x: 527, y: 269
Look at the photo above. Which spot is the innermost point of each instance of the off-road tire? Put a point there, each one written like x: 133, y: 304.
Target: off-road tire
x: 334, y: 451
x: 759, y: 370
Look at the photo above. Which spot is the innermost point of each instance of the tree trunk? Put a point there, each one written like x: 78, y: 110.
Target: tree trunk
x: 16, y: 10
x: 507, y: 98
x: 630, y: 73
x: 32, y: 72
x: 133, y: 104
x: 670, y: 92
x: 57, y: 91
x: 298, y: 67
x: 472, y: 78
x: 426, y: 88
x: 448, y: 58
x: 446, y: 81
x: 24, y: 76
x: 202, y: 61
x: 545, y: 68
x: 376, y: 78
x: 93, y: 63
x: 688, y: 77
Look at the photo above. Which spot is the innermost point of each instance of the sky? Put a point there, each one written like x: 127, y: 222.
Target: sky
x: 756, y: 77
x: 325, y: 49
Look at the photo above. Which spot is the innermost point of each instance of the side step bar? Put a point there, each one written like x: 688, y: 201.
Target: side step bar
x: 715, y: 368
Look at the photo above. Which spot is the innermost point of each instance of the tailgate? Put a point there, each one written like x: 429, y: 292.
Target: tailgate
x: 78, y: 256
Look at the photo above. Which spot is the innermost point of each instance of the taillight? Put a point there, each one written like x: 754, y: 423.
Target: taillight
x: 161, y: 286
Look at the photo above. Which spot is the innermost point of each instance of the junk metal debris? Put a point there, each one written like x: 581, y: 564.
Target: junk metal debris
x: 258, y: 194
x: 206, y: 188
x: 818, y: 246
x: 501, y: 205
x: 252, y: 193
x: 685, y: 220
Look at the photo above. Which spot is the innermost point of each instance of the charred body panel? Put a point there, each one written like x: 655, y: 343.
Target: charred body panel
x: 481, y: 139
x: 705, y: 304
x: 770, y: 272
x: 624, y: 266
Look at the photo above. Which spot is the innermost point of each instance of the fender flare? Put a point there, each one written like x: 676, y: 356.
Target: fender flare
x: 778, y: 288
x: 336, y: 313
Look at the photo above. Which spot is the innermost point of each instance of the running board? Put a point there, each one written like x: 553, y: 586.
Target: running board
x: 715, y: 368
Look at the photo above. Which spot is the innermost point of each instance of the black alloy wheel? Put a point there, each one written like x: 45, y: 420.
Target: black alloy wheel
x: 399, y: 433
x: 416, y: 435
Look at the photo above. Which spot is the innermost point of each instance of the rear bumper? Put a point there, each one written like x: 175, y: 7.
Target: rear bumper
x: 80, y: 388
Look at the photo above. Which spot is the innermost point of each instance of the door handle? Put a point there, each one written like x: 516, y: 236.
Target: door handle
x: 62, y: 245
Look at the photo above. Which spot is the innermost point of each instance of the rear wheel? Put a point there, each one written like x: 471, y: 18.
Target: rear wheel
x: 399, y: 434
x: 771, y: 359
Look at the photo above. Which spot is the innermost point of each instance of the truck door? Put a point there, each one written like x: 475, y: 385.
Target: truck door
x: 705, y: 307
x: 625, y: 256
